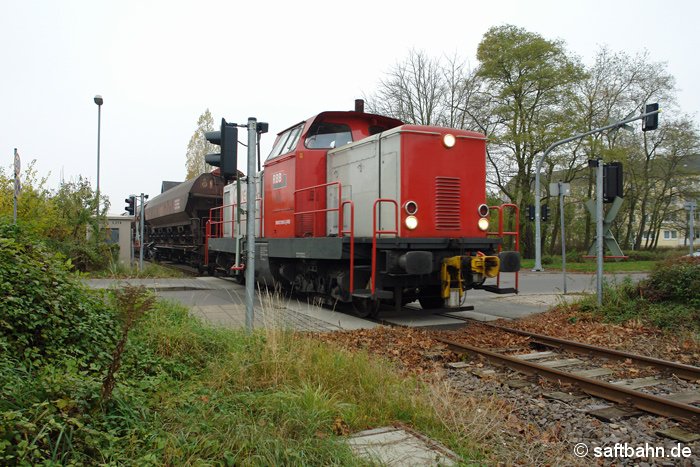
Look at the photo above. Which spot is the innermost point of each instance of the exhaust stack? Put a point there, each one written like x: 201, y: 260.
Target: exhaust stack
x: 359, y: 105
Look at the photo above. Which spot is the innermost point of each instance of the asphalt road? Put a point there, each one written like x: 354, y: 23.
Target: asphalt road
x: 222, y: 302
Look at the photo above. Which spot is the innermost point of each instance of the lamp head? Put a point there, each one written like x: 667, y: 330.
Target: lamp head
x: 98, y: 100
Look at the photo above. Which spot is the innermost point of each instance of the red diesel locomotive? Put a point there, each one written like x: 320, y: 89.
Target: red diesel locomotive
x: 360, y: 208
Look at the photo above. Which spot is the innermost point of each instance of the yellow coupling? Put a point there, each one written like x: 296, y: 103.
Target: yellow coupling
x: 488, y: 266
x: 451, y: 275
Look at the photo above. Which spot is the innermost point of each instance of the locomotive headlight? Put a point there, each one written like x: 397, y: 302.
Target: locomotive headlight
x: 483, y: 210
x: 483, y: 224
x: 449, y: 140
x: 411, y: 222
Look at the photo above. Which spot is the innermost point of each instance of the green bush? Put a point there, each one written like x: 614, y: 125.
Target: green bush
x: 547, y: 259
x: 46, y: 312
x: 56, y: 338
x: 644, y: 255
x: 574, y: 257
x: 675, y: 280
x: 669, y: 298
x: 186, y: 393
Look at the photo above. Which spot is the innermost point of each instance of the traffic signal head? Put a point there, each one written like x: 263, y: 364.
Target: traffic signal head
x: 227, y: 138
x: 612, y: 181
x: 531, y: 212
x: 545, y: 213
x: 130, y: 205
x: 650, y: 122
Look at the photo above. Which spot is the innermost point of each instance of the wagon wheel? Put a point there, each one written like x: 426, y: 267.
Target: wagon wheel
x: 364, y: 307
x: 239, y: 278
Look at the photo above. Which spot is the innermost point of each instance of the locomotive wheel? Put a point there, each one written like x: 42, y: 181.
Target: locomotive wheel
x: 430, y: 298
x: 365, y: 307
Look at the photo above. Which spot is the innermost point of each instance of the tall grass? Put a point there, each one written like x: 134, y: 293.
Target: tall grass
x: 187, y: 393
x: 119, y: 270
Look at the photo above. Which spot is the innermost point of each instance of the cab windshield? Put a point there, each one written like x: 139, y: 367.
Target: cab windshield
x: 286, y: 142
x: 326, y: 135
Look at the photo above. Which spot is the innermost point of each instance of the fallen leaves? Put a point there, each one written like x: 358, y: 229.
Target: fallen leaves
x: 417, y: 351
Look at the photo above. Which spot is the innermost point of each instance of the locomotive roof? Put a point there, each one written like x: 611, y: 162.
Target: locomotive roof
x: 389, y: 122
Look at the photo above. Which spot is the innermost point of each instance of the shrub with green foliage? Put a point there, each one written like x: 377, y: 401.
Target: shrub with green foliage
x: 178, y: 391
x: 574, y: 257
x: 46, y: 312
x: 61, y: 218
x: 56, y: 338
x: 675, y: 280
x: 669, y: 298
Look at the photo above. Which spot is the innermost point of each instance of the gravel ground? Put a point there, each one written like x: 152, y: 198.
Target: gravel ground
x: 568, y: 422
x: 537, y: 419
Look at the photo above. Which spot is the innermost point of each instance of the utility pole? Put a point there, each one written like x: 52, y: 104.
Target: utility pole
x: 598, y: 164
x: 561, y: 189
x: 250, y: 226
x: 99, y: 101
x: 141, y: 224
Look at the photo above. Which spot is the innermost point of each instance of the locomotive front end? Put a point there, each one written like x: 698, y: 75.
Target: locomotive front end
x: 421, y: 192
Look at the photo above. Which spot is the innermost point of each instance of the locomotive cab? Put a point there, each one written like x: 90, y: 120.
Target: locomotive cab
x: 298, y: 162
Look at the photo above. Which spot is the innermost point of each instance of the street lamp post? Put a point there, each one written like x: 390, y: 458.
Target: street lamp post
x: 98, y: 100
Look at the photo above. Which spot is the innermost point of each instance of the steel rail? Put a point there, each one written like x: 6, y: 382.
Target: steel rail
x: 687, y: 372
x: 654, y: 404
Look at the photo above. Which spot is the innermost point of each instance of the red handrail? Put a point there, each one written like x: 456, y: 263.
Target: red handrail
x: 218, y: 227
x: 501, y: 233
x: 218, y: 221
x: 376, y: 233
x: 314, y: 232
x: 206, y: 242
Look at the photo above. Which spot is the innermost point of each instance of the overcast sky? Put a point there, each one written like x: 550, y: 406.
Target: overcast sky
x: 160, y: 64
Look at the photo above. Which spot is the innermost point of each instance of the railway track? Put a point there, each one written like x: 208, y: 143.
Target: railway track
x: 551, y: 366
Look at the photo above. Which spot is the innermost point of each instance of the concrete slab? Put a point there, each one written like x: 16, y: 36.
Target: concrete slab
x: 336, y: 319
x: 475, y: 315
x: 424, y: 320
x: 593, y: 372
x: 392, y: 446
x: 234, y: 316
x: 538, y: 292
x: 637, y: 383
x: 610, y: 413
x: 690, y: 397
x: 535, y: 355
x: 679, y: 434
x: 561, y: 363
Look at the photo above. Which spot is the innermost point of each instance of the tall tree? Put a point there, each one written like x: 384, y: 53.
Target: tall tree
x: 198, y: 147
x: 423, y: 90
x: 528, y: 81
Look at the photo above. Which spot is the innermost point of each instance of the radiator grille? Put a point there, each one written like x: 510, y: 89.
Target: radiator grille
x: 447, y: 203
